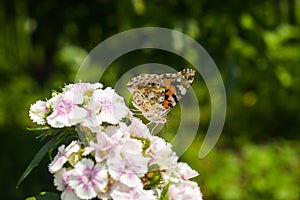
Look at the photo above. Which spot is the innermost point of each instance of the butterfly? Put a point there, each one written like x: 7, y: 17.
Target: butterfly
x: 155, y: 95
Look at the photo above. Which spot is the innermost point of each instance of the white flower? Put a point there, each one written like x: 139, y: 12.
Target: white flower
x: 113, y: 131
x: 61, y: 182
x: 63, y: 155
x: 83, y: 92
x: 38, y: 112
x: 138, y: 129
x: 83, y: 86
x: 127, y: 167
x: 128, y: 145
x: 185, y: 171
x: 112, y: 164
x: 161, y: 153
x: 108, y: 106
x: 113, y: 138
x: 104, y: 106
x: 67, y: 110
x: 88, y: 179
x: 122, y: 192
x: 69, y: 194
x: 92, y: 122
x: 185, y: 190
x: 103, y: 146
x: 60, y: 179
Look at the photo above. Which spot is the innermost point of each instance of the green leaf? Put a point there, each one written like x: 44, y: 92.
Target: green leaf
x: 50, y: 132
x: 164, y: 193
x: 37, y: 159
x: 45, y: 196
x: 39, y: 128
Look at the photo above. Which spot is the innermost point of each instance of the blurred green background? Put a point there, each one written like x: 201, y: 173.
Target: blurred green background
x: 255, y: 44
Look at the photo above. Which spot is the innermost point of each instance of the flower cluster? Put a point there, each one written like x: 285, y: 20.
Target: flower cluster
x: 116, y: 156
x: 80, y: 103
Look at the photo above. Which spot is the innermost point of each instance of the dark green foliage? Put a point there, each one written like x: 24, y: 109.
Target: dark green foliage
x: 58, y: 136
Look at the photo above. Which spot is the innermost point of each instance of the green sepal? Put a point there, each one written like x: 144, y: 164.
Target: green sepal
x: 153, y: 167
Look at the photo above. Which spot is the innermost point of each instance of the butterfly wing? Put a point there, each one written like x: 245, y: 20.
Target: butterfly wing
x: 148, y: 91
x: 176, y: 86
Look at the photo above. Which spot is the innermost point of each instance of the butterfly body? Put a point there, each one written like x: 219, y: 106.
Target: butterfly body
x: 155, y: 95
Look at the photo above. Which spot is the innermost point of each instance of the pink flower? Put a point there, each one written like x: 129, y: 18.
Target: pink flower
x: 82, y: 88
x: 88, y: 179
x: 185, y: 190
x: 138, y: 129
x: 122, y: 192
x: 161, y: 153
x: 108, y: 106
x: 103, y: 146
x: 63, y: 155
x: 60, y: 179
x: 127, y: 167
x: 61, y: 182
x: 116, y: 152
x: 67, y: 110
x: 128, y: 145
